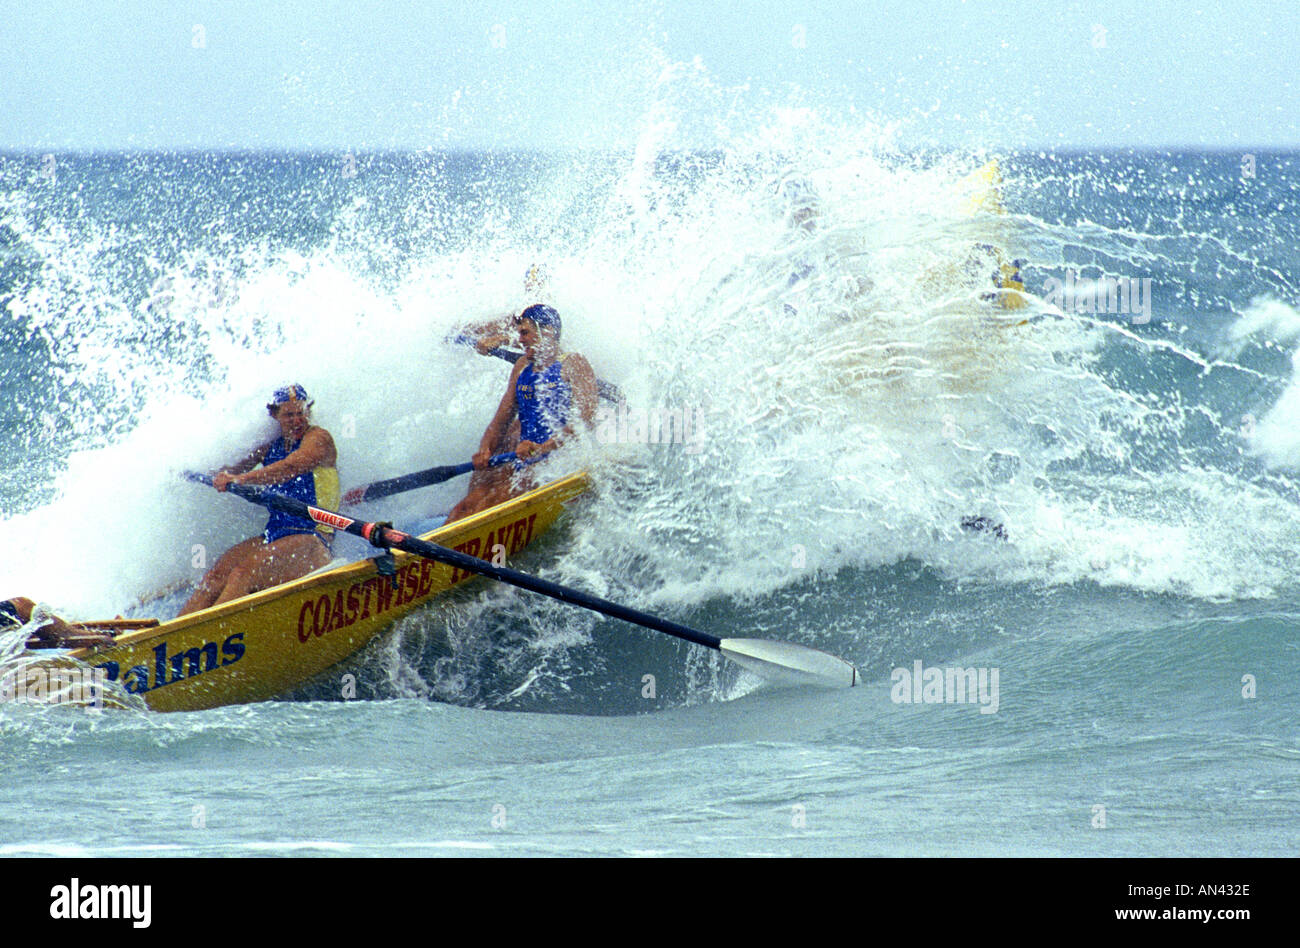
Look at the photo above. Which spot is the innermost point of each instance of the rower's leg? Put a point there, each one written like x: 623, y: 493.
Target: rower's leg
x: 496, y: 488
x: 271, y: 564
x: 290, y: 558
x: 214, y: 581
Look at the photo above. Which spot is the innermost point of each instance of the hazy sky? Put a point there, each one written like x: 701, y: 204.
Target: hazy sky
x: 361, y: 74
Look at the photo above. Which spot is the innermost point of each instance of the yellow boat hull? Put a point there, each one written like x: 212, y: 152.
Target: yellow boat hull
x: 987, y: 199
x: 263, y: 645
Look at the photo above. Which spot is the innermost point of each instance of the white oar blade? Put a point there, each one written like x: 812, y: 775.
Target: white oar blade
x: 785, y: 661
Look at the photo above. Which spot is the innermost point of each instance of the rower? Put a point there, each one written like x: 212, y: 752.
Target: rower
x: 487, y: 337
x: 53, y: 631
x: 300, y: 463
x: 549, y: 390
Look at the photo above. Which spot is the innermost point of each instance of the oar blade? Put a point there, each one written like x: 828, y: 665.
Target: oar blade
x: 789, y: 662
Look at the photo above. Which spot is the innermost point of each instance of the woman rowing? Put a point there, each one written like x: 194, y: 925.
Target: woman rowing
x: 51, y: 631
x: 549, y: 390
x: 299, y: 463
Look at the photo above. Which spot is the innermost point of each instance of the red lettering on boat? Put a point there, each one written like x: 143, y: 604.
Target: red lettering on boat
x: 383, y: 594
x: 304, y: 633
x: 322, y: 624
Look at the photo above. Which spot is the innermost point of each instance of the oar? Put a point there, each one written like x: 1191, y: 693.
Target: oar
x: 71, y: 640
x: 606, y: 390
x: 117, y: 625
x: 780, y: 659
x: 84, y: 634
x: 432, y: 475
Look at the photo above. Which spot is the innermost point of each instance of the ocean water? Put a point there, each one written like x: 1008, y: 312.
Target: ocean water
x: 1130, y: 630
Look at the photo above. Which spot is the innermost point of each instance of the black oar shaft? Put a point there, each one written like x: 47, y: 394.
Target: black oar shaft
x: 425, y: 478
x: 384, y: 536
x: 472, y: 564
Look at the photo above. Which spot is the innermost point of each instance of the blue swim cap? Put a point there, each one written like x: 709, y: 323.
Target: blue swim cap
x: 542, y: 315
x: 288, y: 393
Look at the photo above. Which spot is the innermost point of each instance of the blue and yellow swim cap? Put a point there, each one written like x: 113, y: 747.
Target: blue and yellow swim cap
x: 289, y: 393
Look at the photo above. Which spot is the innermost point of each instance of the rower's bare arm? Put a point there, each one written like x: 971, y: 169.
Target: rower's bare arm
x: 497, y: 325
x: 317, y: 450
x: 583, y: 382
x: 488, y: 334
x: 501, y: 419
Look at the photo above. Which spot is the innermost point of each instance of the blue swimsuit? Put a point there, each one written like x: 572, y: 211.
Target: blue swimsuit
x: 543, y: 399
x: 318, y: 487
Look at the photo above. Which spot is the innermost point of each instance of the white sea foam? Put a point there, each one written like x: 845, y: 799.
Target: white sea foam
x: 1265, y: 320
x: 1276, y: 436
